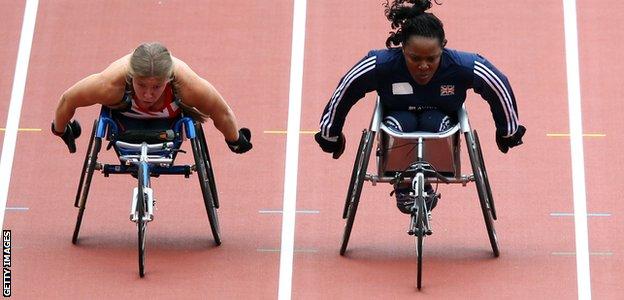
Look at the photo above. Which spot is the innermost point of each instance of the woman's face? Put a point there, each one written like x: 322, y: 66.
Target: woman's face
x: 422, y: 56
x: 147, y: 90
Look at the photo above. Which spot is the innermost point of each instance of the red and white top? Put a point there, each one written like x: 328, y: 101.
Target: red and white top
x: 170, y: 109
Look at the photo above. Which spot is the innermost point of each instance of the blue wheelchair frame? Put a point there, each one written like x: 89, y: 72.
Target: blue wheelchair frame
x: 106, y: 124
x: 105, y: 127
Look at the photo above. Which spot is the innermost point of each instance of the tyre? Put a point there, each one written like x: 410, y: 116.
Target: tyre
x: 86, y: 175
x: 202, y: 175
x: 209, y: 169
x: 355, y: 186
x: 485, y: 176
x: 142, y: 213
x: 354, y: 173
x: 420, y: 230
x: 420, y: 238
x: 477, y: 170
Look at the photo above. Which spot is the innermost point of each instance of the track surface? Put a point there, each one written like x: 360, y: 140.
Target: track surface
x: 245, y: 52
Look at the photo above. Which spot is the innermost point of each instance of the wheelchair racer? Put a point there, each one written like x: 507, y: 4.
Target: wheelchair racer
x: 421, y: 84
x: 149, y: 89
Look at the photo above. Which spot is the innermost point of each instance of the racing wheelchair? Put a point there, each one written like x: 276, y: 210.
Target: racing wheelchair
x: 144, y: 154
x: 419, y: 158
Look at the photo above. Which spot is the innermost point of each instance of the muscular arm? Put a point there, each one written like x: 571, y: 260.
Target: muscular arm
x: 199, y: 93
x: 104, y: 88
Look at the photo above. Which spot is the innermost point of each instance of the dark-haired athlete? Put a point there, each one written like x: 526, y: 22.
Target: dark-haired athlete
x: 421, y: 85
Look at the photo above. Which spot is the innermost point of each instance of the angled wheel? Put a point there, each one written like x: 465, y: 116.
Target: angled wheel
x: 202, y: 175
x: 141, y: 209
x: 485, y: 176
x: 88, y: 167
x: 477, y: 170
x: 354, y: 172
x: 355, y: 185
x: 208, y: 163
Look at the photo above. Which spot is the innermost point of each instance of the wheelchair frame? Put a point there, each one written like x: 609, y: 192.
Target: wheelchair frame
x: 105, y: 128
x: 451, y: 173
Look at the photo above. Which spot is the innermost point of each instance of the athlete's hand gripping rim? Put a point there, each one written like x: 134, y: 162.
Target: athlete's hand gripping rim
x: 243, y: 144
x: 336, y: 147
x: 504, y: 143
x: 69, y: 135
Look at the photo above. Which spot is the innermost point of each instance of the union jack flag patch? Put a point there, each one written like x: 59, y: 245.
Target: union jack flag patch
x: 447, y: 90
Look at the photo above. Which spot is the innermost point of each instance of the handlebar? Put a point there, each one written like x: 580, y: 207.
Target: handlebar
x: 145, y: 148
x: 150, y: 147
x: 420, y: 134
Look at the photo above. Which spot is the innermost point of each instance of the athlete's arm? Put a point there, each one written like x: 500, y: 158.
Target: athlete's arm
x: 104, y: 88
x: 352, y: 87
x: 494, y: 87
x: 199, y: 93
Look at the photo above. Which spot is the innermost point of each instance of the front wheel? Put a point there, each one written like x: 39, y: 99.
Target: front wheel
x: 420, y: 237
x: 421, y: 227
x: 142, y: 215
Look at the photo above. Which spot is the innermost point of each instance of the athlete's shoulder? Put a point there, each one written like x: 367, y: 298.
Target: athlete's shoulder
x: 460, y: 58
x: 384, y: 56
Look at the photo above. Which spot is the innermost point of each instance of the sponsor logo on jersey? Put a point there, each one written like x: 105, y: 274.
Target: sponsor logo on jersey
x: 447, y: 90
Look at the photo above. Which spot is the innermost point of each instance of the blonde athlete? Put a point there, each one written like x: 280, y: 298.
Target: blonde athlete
x: 149, y: 87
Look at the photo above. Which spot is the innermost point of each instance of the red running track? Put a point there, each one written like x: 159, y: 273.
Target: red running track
x: 245, y: 52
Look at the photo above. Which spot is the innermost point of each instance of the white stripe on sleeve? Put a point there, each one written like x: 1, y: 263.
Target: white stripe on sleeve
x: 355, y: 72
x: 502, y: 93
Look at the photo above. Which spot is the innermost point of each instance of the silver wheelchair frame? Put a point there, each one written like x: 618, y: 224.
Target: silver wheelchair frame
x: 419, y: 158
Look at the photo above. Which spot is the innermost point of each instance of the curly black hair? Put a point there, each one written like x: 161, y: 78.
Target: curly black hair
x: 408, y: 18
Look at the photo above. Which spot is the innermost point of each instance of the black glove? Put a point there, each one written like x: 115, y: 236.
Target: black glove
x: 337, y: 147
x: 504, y: 143
x: 69, y: 135
x: 243, y: 144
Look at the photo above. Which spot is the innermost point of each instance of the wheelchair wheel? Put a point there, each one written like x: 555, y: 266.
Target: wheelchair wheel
x: 208, y: 163
x: 202, y: 175
x: 354, y: 173
x: 477, y: 169
x: 355, y: 185
x: 88, y: 167
x: 419, y: 229
x: 485, y: 176
x: 420, y: 237
x: 142, y: 213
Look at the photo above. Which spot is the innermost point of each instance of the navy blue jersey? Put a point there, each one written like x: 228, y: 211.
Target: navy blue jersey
x: 385, y: 71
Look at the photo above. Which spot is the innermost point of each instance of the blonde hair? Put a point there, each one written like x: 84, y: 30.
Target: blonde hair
x: 151, y: 60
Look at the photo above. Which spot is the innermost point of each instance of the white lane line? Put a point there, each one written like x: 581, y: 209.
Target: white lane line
x: 576, y: 148
x: 17, y: 208
x: 571, y: 253
x: 15, y: 107
x: 292, y: 150
x: 566, y: 214
x: 296, y: 250
x: 278, y: 211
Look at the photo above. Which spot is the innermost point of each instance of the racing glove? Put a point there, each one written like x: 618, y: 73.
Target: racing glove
x: 504, y: 143
x: 243, y: 144
x: 69, y: 135
x: 336, y: 147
